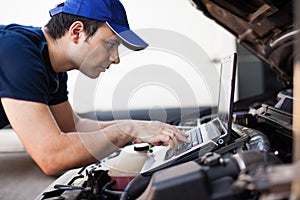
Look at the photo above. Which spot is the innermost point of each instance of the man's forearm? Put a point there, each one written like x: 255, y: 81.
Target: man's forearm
x: 76, y: 149
x: 84, y: 125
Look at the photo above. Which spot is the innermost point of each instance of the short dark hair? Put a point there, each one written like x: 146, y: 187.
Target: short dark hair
x: 60, y: 23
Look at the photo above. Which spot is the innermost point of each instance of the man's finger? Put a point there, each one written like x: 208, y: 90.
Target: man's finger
x: 183, y: 138
x: 173, y: 138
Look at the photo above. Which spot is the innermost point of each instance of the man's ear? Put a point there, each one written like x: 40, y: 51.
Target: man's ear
x: 76, y: 30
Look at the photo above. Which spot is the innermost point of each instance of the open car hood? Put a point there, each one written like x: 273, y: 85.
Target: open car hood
x: 264, y: 27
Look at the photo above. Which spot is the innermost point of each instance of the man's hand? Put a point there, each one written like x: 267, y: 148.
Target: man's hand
x: 157, y: 133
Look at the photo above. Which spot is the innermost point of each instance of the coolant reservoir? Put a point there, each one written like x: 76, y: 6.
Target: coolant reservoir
x: 127, y: 165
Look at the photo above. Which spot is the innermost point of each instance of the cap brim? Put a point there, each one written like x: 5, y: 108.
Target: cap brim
x: 128, y: 37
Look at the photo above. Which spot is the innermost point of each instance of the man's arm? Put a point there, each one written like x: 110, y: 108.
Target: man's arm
x: 52, y: 149
x: 40, y: 130
x: 153, y: 132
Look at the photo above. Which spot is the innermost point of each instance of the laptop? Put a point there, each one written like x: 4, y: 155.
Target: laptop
x: 207, y: 136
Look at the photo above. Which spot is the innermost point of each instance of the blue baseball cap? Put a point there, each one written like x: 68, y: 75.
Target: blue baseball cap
x: 111, y: 12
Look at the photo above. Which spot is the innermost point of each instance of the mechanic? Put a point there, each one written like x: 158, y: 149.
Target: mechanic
x: 34, y: 61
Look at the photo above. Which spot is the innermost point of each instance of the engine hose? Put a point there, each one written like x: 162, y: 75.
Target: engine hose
x: 241, y: 162
x: 259, y: 141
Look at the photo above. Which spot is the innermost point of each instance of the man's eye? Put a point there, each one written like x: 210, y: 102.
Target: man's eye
x: 109, y: 45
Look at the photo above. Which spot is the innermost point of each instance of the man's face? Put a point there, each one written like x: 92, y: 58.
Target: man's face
x: 97, y: 53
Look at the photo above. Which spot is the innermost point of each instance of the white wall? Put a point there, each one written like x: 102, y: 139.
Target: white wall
x: 182, y: 44
x: 30, y: 12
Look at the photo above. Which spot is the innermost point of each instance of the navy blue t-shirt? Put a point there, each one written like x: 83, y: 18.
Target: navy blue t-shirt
x: 25, y: 69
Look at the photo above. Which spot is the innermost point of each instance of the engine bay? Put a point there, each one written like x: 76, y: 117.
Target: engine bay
x: 247, y: 167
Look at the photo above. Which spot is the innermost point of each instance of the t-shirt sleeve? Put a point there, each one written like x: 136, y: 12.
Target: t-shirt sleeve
x: 22, y: 72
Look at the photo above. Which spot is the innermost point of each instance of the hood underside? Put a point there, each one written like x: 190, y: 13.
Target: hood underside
x: 264, y: 27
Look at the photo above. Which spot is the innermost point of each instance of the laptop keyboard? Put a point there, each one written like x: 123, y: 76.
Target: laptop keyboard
x: 195, y: 138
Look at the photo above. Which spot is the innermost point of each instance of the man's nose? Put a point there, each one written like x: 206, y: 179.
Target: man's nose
x: 114, y: 58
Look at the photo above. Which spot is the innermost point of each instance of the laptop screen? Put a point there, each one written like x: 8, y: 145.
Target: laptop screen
x: 226, y: 90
